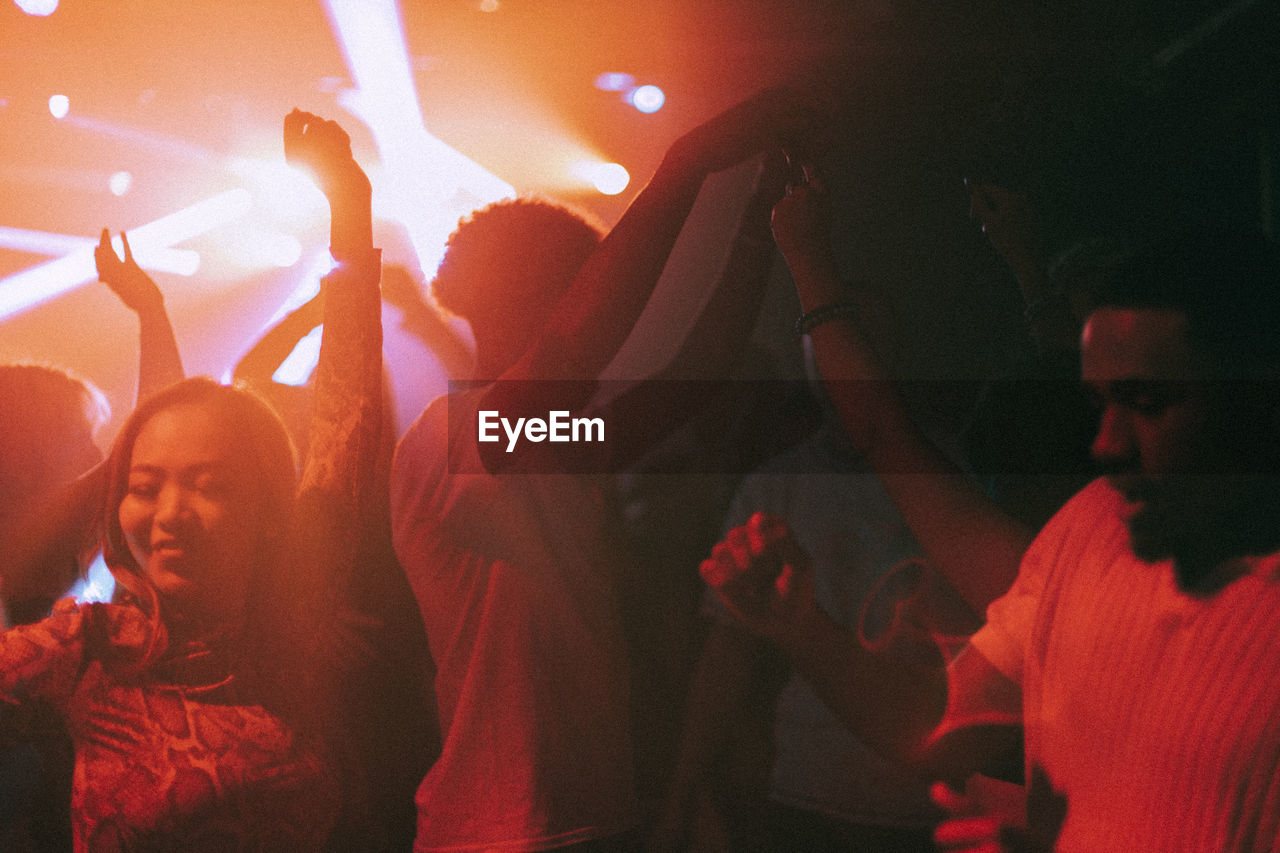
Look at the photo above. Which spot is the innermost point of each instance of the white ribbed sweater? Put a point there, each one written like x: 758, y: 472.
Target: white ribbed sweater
x: 1155, y: 712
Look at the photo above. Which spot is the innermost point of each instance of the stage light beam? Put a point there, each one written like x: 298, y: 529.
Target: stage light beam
x: 38, y: 284
x: 429, y: 185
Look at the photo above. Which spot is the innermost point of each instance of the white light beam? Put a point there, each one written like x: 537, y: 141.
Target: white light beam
x: 156, y: 258
x: 432, y: 185
x: 30, y: 287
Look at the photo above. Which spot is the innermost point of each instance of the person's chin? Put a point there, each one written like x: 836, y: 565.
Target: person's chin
x: 169, y: 579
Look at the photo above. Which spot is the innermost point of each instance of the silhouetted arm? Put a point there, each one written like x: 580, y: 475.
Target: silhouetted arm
x: 598, y: 312
x: 964, y: 534
x: 650, y: 409
x: 719, y: 691
x: 264, y: 358
x: 424, y: 322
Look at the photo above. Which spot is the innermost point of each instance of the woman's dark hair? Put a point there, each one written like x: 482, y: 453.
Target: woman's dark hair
x: 277, y: 609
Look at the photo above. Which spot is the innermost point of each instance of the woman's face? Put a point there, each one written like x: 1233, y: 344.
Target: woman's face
x: 192, y: 513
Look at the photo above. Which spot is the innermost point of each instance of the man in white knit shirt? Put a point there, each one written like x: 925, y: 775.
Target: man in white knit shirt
x: 1139, y: 645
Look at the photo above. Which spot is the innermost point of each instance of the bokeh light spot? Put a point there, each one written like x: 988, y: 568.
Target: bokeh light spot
x: 120, y: 183
x: 40, y: 8
x: 610, y: 178
x: 647, y: 98
x: 59, y: 106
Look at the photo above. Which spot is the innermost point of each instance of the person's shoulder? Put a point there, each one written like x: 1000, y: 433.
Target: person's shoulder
x: 442, y: 416
x: 1088, y: 530
x: 1096, y: 502
x: 423, y: 454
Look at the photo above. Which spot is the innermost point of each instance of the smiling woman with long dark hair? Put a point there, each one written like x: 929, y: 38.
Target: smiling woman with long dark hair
x: 199, y: 701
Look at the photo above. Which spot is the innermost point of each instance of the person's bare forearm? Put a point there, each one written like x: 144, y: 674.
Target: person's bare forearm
x: 726, y: 321
x: 264, y: 358
x: 159, y: 362
x: 718, y: 691
x: 891, y: 699
x: 597, y: 314
x: 966, y: 536
x: 602, y: 305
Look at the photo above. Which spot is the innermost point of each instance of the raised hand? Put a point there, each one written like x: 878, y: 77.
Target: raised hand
x: 763, y: 578
x: 126, y: 279
x: 322, y: 148
x: 802, y: 218
x: 770, y: 119
x: 159, y: 363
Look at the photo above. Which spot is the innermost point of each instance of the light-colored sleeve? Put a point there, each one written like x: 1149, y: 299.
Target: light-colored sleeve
x: 346, y: 418
x: 1004, y: 638
x: 338, y: 494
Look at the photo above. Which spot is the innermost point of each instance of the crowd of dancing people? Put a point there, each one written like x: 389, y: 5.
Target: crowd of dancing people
x: 1052, y: 631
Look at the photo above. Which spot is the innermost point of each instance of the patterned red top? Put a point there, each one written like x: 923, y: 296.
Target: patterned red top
x: 162, y: 765
x: 181, y: 757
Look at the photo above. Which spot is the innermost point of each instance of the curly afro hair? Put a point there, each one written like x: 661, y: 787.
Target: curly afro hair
x: 514, y: 259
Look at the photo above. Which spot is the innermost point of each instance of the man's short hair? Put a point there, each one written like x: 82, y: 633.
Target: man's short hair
x: 513, y: 258
x: 1226, y: 283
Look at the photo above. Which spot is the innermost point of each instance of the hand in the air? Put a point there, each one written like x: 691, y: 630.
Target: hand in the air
x: 802, y: 218
x: 323, y: 149
x: 126, y: 279
x: 767, y: 120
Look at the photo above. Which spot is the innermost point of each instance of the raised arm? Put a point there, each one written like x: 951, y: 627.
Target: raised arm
x: 597, y: 313
x: 649, y: 410
x: 346, y: 416
x: 264, y: 358
x: 708, y: 351
x: 159, y: 364
x: 964, y: 534
x: 419, y: 318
